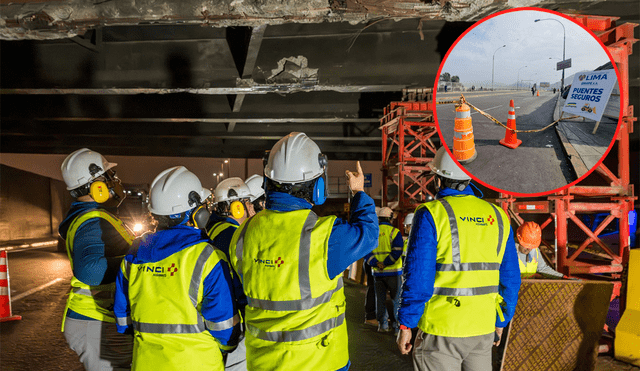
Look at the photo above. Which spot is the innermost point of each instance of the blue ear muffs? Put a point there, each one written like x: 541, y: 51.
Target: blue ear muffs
x: 319, y: 195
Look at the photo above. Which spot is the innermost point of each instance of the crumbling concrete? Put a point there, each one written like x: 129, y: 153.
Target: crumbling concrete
x: 52, y: 19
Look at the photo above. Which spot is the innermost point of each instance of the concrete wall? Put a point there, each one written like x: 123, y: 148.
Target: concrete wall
x: 31, y: 206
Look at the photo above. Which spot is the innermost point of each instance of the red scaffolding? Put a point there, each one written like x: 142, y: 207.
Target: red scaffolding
x: 579, y: 246
x: 408, y: 128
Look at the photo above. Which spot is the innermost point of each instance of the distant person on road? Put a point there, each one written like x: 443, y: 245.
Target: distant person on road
x: 96, y: 241
x: 445, y: 88
x: 461, y: 276
x: 174, y: 290
x: 533, y: 90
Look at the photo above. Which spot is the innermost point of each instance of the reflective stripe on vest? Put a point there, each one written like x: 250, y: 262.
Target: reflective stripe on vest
x: 297, y: 335
x: 218, y: 228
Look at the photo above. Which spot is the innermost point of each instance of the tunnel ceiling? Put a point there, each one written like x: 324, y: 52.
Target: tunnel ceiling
x: 224, y: 78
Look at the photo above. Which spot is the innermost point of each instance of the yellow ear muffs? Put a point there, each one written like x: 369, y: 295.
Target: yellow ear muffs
x: 99, y: 191
x: 237, y: 209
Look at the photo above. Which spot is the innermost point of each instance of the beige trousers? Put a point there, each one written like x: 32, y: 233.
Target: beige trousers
x: 440, y: 353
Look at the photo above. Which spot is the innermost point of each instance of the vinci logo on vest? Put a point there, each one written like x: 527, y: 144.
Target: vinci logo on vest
x: 269, y: 263
x: 158, y: 270
x: 480, y: 221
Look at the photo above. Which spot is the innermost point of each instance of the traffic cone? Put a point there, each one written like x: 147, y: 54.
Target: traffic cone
x: 5, y: 292
x: 510, y: 136
x: 538, y: 93
x: 464, y: 148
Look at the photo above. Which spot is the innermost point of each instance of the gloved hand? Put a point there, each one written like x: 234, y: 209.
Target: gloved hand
x: 355, y: 180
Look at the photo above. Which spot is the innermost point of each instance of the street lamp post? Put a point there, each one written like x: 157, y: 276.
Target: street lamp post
x: 493, y: 64
x: 518, y: 78
x: 564, y: 39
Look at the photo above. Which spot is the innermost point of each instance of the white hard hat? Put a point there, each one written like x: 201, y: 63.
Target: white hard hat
x: 295, y: 159
x: 385, y: 212
x: 408, y: 220
x: 254, y: 183
x: 377, y: 211
x: 231, y: 189
x: 171, y: 192
x: 77, y: 170
x: 444, y: 166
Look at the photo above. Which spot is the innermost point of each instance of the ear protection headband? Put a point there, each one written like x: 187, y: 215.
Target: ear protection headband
x: 319, y: 193
x: 200, y: 216
x: 237, y: 209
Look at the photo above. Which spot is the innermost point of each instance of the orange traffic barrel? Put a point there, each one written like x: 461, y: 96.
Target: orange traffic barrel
x: 510, y: 136
x: 464, y: 148
x: 538, y: 93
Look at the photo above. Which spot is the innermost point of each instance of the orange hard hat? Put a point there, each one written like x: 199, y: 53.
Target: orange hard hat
x: 529, y: 235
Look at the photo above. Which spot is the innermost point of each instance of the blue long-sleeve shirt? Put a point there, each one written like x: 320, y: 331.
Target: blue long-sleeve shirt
x: 397, y: 246
x: 350, y: 240
x: 218, y: 303
x: 223, y: 242
x: 97, y: 248
x: 420, y: 268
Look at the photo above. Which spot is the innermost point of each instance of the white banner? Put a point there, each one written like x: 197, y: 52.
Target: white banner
x: 590, y: 93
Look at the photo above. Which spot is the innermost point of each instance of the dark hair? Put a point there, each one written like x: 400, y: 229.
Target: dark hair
x: 256, y: 203
x: 302, y: 190
x: 166, y: 221
x: 382, y: 219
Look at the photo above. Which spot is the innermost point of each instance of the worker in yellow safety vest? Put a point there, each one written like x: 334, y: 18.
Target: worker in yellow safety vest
x: 232, y: 206
x: 461, y: 276
x: 291, y: 262
x: 529, y: 238
x: 173, y: 291
x: 96, y: 240
x: 386, y: 263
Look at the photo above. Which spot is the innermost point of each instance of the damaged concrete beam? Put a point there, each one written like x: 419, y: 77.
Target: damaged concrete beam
x: 53, y: 19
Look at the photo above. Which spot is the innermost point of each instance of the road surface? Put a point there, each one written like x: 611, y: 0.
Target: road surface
x: 36, y: 343
x: 537, y: 165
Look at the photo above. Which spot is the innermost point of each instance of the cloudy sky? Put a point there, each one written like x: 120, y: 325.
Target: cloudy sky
x: 529, y: 44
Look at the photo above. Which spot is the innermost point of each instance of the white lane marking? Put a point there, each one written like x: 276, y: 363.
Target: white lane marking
x: 489, y: 108
x: 33, y: 246
x: 33, y: 291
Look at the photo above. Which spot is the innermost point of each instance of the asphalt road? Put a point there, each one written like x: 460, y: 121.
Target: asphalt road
x: 36, y: 343
x: 537, y: 165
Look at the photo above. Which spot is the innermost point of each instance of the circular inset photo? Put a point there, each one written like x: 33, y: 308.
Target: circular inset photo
x: 527, y: 101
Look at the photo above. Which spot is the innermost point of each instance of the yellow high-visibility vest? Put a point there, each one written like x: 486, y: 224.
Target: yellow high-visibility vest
x: 472, y: 236
x: 295, y: 317
x: 92, y: 301
x: 385, y: 238
x: 217, y: 228
x: 528, y: 269
x: 169, y: 331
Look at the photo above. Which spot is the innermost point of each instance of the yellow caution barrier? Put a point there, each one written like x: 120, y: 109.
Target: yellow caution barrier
x: 627, y: 342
